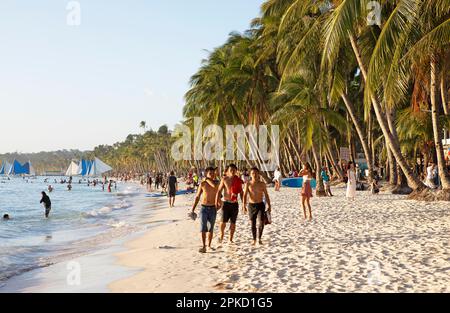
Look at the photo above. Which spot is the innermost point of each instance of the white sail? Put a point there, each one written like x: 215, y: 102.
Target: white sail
x: 32, y: 170
x: 99, y: 167
x: 73, y: 169
x: 5, y: 168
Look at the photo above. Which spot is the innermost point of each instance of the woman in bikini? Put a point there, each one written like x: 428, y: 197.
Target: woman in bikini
x: 307, y: 175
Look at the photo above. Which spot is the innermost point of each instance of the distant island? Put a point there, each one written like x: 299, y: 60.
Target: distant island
x: 138, y: 152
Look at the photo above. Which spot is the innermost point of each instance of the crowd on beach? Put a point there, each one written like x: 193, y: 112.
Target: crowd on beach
x: 225, y: 191
x: 218, y: 192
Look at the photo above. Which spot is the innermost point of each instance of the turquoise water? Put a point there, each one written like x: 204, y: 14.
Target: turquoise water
x: 79, y: 222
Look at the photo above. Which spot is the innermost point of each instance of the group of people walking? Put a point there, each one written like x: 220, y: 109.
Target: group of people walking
x: 223, y: 195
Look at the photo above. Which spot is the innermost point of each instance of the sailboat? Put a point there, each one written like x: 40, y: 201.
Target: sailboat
x: 93, y: 168
x: 73, y: 169
x: 6, y: 167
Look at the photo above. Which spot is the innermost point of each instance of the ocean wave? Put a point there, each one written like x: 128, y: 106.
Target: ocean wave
x: 117, y: 224
x: 98, y: 212
x: 122, y: 205
x: 97, y: 219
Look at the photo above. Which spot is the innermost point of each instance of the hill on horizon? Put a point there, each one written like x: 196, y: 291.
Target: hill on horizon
x: 46, y: 161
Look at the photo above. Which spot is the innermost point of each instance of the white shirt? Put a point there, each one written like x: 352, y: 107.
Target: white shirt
x: 277, y: 175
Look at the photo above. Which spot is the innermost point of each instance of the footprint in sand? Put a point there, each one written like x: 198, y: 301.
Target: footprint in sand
x: 282, y: 273
x: 234, y: 277
x: 166, y: 247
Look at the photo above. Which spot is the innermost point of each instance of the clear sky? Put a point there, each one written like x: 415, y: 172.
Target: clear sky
x: 64, y: 87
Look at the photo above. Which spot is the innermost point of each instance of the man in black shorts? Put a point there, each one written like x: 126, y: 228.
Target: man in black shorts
x: 256, y: 192
x: 173, y: 187
x: 232, y: 185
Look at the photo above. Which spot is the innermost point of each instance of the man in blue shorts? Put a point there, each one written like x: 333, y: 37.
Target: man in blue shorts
x: 208, y: 188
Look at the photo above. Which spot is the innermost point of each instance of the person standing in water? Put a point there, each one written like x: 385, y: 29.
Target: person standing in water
x: 351, y: 183
x: 307, y: 174
x: 173, y: 187
x: 232, y: 187
x: 47, y: 203
x: 208, y: 213
x: 256, y: 190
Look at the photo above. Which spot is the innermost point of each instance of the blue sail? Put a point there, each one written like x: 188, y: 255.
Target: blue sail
x: 85, y: 167
x: 5, y: 168
x: 17, y: 169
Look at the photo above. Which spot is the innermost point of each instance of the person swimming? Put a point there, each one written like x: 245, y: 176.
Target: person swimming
x: 6, y: 217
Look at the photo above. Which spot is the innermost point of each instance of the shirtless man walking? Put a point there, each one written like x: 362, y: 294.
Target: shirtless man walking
x: 208, y: 188
x: 232, y: 187
x: 256, y: 190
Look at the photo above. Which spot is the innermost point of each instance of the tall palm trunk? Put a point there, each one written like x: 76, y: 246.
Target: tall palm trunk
x: 361, y: 134
x: 297, y: 152
x: 392, y: 166
x: 370, y: 138
x: 443, y: 88
x: 443, y: 175
x: 394, y: 169
x: 334, y: 163
x: 320, y: 188
x: 402, y: 184
x: 393, y: 143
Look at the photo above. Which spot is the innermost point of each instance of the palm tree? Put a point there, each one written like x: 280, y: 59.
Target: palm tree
x: 343, y: 25
x: 297, y: 104
x: 143, y: 125
x: 413, y: 25
x: 300, y: 50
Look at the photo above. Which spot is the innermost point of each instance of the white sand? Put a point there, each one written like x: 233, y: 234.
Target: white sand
x: 378, y: 243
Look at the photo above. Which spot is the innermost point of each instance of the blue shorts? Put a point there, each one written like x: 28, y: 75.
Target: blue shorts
x: 207, y: 216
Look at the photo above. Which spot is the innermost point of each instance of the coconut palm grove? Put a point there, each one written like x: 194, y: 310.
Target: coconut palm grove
x: 364, y: 75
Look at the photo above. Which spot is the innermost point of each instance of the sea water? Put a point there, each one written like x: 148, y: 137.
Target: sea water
x: 80, y: 221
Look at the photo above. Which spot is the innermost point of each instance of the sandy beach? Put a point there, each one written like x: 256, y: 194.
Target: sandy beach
x: 381, y: 243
